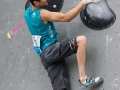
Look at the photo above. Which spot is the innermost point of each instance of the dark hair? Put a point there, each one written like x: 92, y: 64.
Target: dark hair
x: 33, y: 1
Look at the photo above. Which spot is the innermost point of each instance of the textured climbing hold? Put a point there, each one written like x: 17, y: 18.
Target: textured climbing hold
x: 98, y: 16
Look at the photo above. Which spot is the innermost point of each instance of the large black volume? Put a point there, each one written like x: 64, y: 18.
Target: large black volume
x: 98, y: 16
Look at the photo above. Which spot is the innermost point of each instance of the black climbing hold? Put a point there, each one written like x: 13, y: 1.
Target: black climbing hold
x: 53, y: 5
x: 28, y: 4
x: 98, y: 16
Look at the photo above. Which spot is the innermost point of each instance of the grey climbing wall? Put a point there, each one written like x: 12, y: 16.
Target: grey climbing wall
x: 21, y: 68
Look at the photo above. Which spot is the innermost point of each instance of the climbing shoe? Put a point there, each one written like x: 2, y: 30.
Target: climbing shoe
x: 91, y: 81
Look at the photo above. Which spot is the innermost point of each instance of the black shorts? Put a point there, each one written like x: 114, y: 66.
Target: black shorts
x: 53, y: 61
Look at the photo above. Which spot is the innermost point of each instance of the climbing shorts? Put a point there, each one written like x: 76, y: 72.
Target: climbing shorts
x: 53, y: 60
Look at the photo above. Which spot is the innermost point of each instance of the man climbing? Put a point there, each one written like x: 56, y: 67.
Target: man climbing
x: 52, y: 51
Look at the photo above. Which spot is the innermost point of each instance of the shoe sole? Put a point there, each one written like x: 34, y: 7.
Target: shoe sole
x: 100, y: 81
